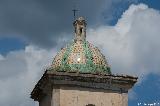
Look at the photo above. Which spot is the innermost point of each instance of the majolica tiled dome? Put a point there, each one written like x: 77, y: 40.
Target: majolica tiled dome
x: 80, y: 55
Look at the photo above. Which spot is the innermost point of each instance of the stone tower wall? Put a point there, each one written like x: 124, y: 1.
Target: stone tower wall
x: 78, y: 89
x: 77, y: 96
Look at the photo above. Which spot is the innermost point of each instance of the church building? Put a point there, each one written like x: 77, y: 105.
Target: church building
x: 81, y: 76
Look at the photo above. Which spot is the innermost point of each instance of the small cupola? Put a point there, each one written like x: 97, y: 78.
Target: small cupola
x: 80, y: 29
x: 80, y: 55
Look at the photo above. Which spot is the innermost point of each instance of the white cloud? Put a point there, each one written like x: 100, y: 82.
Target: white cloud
x: 131, y: 46
x: 20, y: 70
x: 1, y: 57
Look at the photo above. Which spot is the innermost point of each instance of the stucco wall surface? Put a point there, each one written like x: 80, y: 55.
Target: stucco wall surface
x: 77, y: 96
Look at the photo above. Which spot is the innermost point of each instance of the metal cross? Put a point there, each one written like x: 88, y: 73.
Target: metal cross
x: 74, y: 12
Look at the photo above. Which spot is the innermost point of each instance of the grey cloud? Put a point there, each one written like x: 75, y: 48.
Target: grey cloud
x: 41, y: 22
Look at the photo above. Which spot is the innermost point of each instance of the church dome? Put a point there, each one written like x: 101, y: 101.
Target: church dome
x: 80, y: 55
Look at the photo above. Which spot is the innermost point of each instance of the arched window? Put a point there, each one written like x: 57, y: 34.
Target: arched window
x: 80, y: 30
x: 90, y: 105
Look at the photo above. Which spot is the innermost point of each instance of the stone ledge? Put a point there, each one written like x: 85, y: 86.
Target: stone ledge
x: 114, y: 83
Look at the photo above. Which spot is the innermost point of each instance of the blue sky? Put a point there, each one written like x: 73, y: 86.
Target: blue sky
x: 146, y: 92
x: 16, y: 39
x: 11, y: 44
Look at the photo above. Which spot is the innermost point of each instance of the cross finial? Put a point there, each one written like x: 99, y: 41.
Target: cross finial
x: 74, y: 13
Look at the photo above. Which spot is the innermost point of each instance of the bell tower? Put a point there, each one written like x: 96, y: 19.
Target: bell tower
x: 80, y: 76
x: 80, y: 29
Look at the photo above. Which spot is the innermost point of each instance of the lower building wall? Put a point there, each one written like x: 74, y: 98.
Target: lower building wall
x: 76, y: 96
x: 45, y: 101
